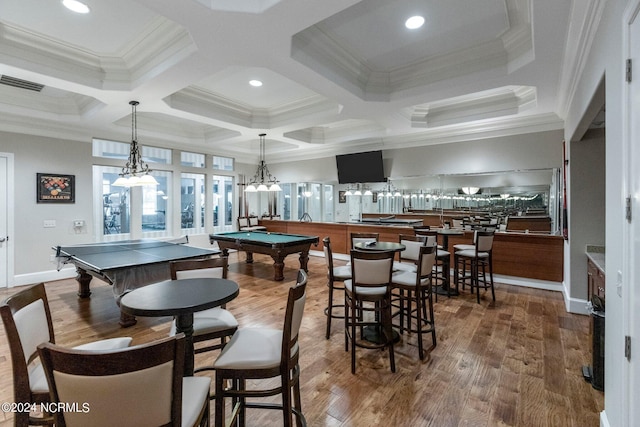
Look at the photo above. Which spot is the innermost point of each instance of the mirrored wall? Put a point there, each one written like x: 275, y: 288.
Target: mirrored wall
x: 503, y: 193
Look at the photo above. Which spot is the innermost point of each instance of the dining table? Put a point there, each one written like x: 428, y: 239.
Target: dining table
x: 380, y: 246
x: 180, y: 298
x: 445, y: 288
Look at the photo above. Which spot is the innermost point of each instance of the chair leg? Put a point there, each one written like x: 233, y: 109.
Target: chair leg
x: 286, y: 399
x: 329, y: 309
x: 219, y: 418
x: 388, y: 331
x: 347, y: 321
x: 475, y: 276
x: 353, y: 336
x: 493, y: 292
x: 297, y: 400
x: 419, y: 319
x: 432, y: 321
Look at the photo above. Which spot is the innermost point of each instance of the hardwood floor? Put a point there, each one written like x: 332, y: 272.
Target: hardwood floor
x: 517, y: 363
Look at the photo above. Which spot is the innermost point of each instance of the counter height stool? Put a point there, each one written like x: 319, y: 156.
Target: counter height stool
x: 477, y: 258
x: 417, y: 305
x: 335, y: 275
x: 263, y: 354
x: 409, y: 257
x: 370, y: 283
x: 442, y: 267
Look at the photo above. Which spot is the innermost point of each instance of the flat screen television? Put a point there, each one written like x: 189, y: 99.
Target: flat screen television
x: 360, y: 167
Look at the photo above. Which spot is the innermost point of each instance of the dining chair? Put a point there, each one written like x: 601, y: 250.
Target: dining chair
x: 141, y: 385
x: 259, y: 354
x: 480, y: 257
x: 416, y: 306
x: 216, y: 323
x: 370, y: 283
x: 27, y: 322
x: 335, y: 276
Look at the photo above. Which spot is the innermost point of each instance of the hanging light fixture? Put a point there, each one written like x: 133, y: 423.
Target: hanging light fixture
x: 135, y: 172
x: 262, y: 180
x: 470, y: 190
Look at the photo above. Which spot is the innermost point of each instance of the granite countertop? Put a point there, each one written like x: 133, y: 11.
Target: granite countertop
x: 596, y: 255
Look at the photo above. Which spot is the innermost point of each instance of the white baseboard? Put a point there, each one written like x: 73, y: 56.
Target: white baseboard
x: 44, y: 276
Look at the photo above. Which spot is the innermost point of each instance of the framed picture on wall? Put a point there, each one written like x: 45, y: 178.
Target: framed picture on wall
x: 55, y: 188
x: 342, y: 196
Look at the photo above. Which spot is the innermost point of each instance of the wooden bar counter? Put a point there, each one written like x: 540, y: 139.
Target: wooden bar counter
x: 528, y: 255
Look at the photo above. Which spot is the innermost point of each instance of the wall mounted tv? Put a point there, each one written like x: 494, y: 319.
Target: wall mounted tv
x: 360, y: 167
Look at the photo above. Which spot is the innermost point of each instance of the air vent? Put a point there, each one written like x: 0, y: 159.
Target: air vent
x: 19, y: 83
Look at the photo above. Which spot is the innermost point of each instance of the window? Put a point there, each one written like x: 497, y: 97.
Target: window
x: 327, y: 202
x: 194, y: 160
x: 110, y: 149
x: 223, y: 163
x: 113, y: 207
x: 309, y: 201
x: 222, y: 203
x: 156, y: 155
x: 156, y: 206
x: 192, y: 202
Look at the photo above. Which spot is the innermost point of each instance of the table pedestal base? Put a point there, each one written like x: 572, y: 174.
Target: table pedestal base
x: 441, y: 290
x: 374, y: 335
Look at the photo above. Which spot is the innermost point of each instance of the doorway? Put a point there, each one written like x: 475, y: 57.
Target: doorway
x: 6, y: 220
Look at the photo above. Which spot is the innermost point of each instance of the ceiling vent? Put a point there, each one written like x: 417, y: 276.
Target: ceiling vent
x: 19, y: 83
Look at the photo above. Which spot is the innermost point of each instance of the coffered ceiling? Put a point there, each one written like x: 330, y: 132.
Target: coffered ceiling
x: 338, y: 76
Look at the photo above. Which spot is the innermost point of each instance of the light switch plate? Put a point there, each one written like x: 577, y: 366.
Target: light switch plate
x: 49, y: 223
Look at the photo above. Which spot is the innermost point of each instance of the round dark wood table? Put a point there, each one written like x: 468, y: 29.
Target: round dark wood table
x: 180, y: 298
x: 380, y: 246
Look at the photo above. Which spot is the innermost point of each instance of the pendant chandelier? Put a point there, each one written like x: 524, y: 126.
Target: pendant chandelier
x: 262, y: 180
x: 135, y: 172
x: 470, y: 190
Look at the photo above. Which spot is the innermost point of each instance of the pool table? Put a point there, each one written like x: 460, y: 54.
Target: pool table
x: 276, y: 245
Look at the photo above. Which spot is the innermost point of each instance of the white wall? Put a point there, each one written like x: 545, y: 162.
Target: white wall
x: 32, y: 241
x: 587, y: 214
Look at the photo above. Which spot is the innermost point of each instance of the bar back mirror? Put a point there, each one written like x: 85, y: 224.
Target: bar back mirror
x: 496, y: 194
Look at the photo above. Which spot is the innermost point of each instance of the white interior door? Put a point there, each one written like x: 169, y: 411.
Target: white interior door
x: 6, y: 269
x: 630, y: 289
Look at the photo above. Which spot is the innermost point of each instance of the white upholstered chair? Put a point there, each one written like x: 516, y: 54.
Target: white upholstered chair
x: 136, y: 386
x: 369, y: 290
x: 416, y: 302
x: 477, y: 259
x: 216, y: 323
x: 335, y: 275
x: 263, y: 353
x: 27, y: 321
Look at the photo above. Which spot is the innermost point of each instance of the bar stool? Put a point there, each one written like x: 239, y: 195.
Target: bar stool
x: 370, y: 283
x: 335, y: 275
x: 417, y: 305
x: 412, y: 244
x: 479, y: 257
x: 442, y: 267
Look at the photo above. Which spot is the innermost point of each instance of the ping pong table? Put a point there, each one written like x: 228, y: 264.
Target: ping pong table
x: 126, y: 265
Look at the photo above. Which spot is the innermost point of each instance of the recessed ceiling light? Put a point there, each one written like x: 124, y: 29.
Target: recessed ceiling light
x: 255, y: 83
x: 414, y: 22
x: 76, y: 6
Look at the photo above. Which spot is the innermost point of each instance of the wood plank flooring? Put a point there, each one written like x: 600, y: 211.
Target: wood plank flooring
x: 515, y: 363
